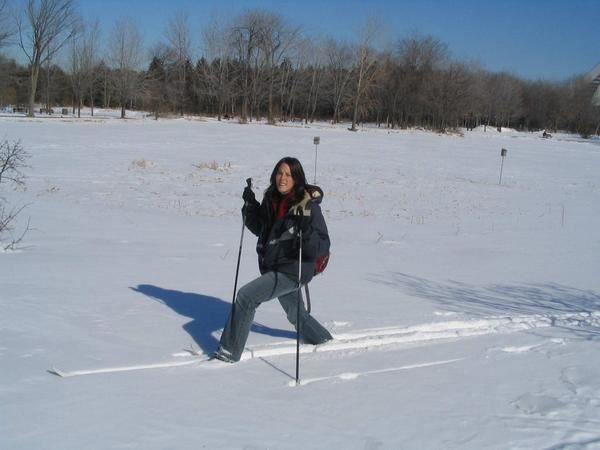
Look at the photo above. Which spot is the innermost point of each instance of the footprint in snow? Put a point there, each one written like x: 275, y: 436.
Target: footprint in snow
x: 538, y: 404
x: 582, y: 384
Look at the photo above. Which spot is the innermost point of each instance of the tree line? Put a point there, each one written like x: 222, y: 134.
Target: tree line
x: 258, y: 65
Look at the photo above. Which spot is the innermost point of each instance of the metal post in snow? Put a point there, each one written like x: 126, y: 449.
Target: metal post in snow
x: 316, y: 141
x: 503, y: 154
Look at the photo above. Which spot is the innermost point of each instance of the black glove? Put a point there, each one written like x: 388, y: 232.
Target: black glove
x: 248, y: 195
x: 302, y: 222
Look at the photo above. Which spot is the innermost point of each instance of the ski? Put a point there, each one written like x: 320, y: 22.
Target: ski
x: 105, y: 370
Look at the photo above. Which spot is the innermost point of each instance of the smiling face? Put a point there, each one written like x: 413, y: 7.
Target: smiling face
x: 283, y: 179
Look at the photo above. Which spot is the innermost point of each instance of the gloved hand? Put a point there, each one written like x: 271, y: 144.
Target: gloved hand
x: 302, y: 222
x: 248, y: 195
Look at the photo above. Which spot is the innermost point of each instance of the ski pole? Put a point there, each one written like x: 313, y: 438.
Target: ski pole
x: 237, y: 270
x: 298, y: 311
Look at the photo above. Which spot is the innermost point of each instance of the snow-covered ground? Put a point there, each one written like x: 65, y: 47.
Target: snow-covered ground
x: 466, y: 312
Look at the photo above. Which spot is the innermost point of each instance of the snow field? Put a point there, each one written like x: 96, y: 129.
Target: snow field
x: 465, y: 312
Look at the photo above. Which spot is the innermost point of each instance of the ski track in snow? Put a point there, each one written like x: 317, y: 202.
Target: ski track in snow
x: 354, y: 375
x: 527, y: 348
x: 380, y: 337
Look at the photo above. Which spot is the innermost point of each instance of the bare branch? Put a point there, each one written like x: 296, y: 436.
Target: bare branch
x: 6, y: 227
x: 5, y: 28
x: 12, y: 159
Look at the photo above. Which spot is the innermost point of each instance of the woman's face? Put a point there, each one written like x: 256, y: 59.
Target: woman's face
x: 283, y: 179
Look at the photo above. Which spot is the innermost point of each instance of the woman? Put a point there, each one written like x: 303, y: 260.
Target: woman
x: 289, y: 209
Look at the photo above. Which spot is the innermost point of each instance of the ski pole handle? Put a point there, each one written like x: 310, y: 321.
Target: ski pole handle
x: 248, y: 186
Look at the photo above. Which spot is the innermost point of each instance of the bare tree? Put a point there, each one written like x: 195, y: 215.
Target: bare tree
x: 476, y: 106
x: 366, y: 63
x: 292, y: 78
x: 125, y: 48
x: 339, y: 60
x: 44, y: 28
x: 419, y: 57
x: 218, y: 72
x: 155, y: 81
x: 179, y: 42
x: 312, y: 56
x: 12, y: 159
x: 504, y: 99
x: 76, y: 72
x: 104, y: 74
x: 276, y: 40
x: 5, y: 26
x: 91, y: 60
x: 245, y: 41
x: 82, y: 62
x: 5, y: 33
x: 541, y: 105
x: 447, y: 95
x: 387, y: 92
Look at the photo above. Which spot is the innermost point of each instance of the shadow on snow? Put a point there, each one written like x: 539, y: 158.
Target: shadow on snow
x: 545, y: 299
x: 208, y: 315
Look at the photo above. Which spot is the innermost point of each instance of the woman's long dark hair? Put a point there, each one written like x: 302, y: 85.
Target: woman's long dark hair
x: 298, y: 176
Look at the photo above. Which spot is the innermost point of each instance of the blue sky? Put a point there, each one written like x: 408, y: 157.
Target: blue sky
x: 549, y: 39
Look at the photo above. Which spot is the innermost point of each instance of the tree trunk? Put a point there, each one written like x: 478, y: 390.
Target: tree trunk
x: 356, y: 103
x: 314, y: 105
x: 271, y: 82
x: 35, y: 71
x: 106, y: 97
x: 92, y: 101
x: 309, y: 101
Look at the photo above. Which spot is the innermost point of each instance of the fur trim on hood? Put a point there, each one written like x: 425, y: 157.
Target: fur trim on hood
x: 311, y: 194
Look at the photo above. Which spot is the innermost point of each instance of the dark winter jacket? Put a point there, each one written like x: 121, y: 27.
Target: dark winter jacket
x: 278, y: 239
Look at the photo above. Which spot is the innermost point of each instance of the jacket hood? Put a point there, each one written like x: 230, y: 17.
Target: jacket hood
x: 315, y: 192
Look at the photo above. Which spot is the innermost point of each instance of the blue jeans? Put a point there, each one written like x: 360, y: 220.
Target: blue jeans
x: 250, y: 296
